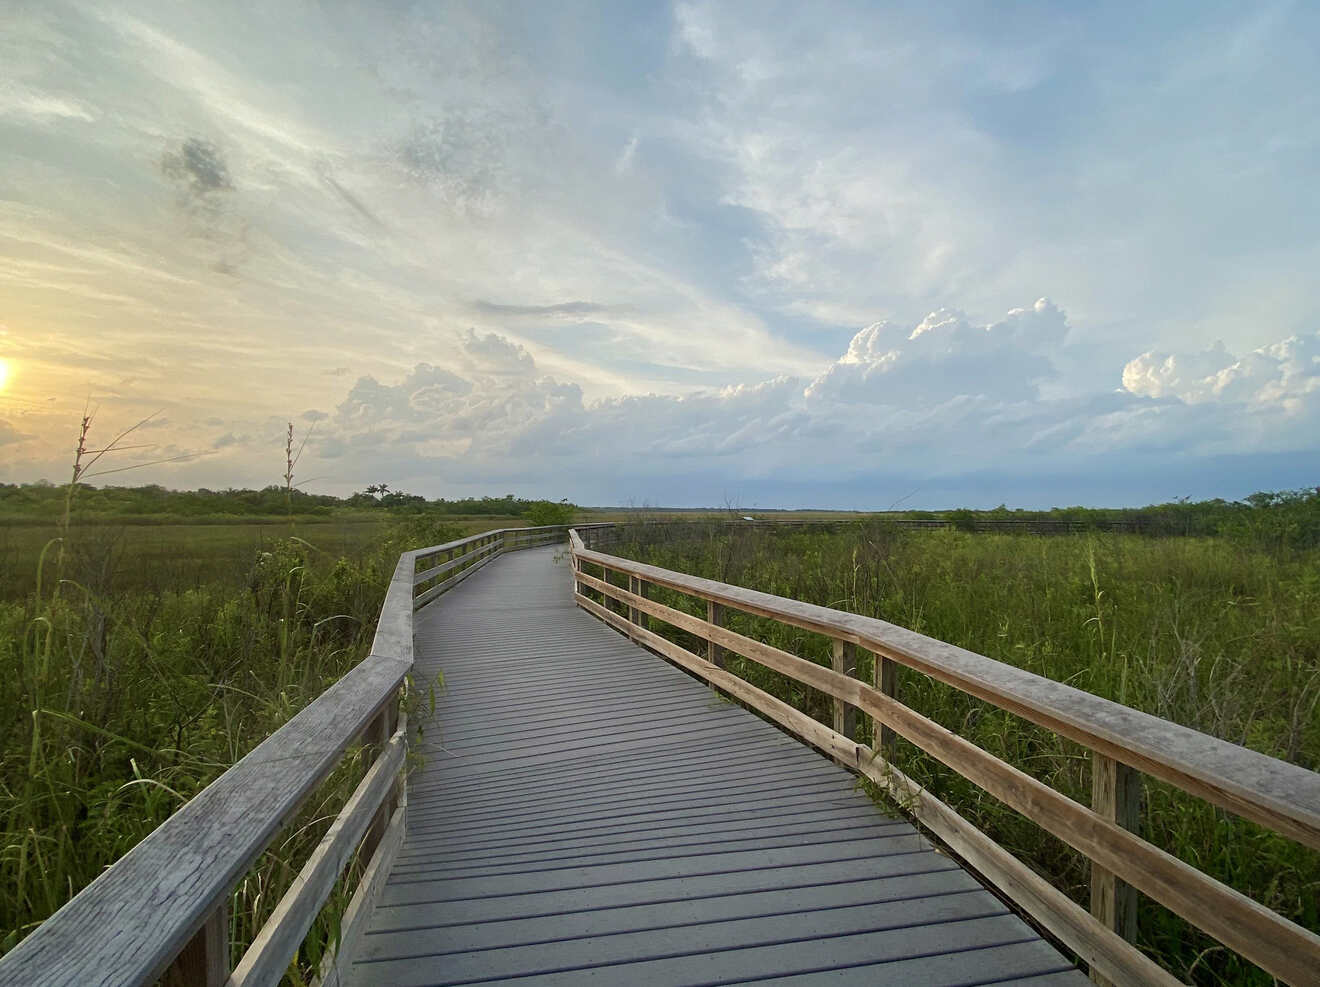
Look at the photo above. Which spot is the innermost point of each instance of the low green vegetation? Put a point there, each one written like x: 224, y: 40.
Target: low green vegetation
x: 174, y: 556
x: 151, y: 538
x: 1220, y: 633
x: 1281, y: 519
x: 119, y: 704
x: 545, y: 512
x: 43, y: 504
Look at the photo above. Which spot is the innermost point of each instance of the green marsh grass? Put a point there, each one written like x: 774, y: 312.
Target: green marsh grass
x: 124, y: 692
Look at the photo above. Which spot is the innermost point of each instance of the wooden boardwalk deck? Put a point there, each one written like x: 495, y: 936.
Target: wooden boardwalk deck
x: 589, y: 813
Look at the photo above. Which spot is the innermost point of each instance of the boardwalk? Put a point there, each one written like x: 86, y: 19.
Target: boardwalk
x: 589, y: 814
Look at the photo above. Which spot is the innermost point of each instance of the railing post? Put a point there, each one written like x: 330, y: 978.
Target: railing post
x: 885, y: 678
x: 204, y: 962
x: 378, y: 735
x: 1116, y: 796
x: 844, y: 660
x: 714, y: 615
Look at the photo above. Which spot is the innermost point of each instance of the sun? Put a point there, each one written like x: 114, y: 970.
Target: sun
x: 4, y: 373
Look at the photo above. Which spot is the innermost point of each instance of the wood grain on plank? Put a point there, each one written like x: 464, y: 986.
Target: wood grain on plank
x: 1097, y: 945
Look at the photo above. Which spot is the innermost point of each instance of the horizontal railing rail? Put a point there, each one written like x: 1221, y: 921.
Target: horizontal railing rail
x: 1123, y: 742
x: 161, y: 912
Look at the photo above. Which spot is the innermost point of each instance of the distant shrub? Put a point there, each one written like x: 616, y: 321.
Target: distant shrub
x: 963, y: 520
x: 541, y: 512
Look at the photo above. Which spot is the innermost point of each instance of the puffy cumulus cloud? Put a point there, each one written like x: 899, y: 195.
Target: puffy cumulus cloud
x: 943, y: 399
x: 945, y: 376
x: 1159, y: 375
x: 1284, y: 375
x: 946, y: 356
x: 502, y: 405
x: 417, y: 397
x: 494, y: 354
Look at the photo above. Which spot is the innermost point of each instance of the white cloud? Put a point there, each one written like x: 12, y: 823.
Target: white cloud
x: 1284, y: 375
x: 416, y: 398
x: 696, y: 30
x: 34, y: 105
x: 624, y: 162
x: 1157, y: 375
x: 494, y: 354
x: 943, y: 397
x: 944, y: 357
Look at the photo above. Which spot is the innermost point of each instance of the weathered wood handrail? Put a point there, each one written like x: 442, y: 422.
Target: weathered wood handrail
x: 1278, y: 795
x: 161, y: 911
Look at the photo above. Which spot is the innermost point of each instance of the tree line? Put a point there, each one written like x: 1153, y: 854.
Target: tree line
x: 41, y: 502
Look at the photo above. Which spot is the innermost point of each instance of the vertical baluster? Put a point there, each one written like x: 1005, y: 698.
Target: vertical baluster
x: 378, y: 734
x: 714, y: 615
x: 844, y: 660
x: 884, y: 678
x: 1115, y: 795
x: 204, y: 961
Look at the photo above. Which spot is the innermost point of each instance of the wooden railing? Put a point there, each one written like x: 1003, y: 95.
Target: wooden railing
x: 1123, y: 743
x: 162, y: 911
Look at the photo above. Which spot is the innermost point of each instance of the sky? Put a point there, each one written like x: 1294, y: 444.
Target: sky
x: 835, y: 255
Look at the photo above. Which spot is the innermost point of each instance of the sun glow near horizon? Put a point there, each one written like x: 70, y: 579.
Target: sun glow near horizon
x: 5, y: 373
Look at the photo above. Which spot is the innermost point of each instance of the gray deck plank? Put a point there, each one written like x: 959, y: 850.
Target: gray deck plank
x: 587, y: 813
